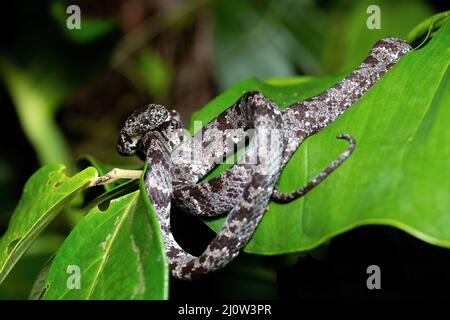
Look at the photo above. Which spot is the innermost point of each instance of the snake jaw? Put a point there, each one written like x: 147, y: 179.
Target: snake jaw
x: 126, y: 145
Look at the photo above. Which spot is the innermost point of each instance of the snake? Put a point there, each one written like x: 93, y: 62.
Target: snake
x: 178, y: 164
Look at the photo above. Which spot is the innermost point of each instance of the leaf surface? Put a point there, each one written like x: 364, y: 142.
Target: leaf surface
x: 118, y: 253
x: 44, y: 194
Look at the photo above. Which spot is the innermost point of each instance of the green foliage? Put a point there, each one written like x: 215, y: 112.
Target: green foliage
x: 398, y: 175
x: 427, y: 28
x: 47, y: 191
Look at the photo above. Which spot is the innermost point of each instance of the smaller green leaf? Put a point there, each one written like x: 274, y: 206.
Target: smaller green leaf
x: 350, y: 39
x: 118, y: 253
x: 45, y: 193
x: 424, y: 29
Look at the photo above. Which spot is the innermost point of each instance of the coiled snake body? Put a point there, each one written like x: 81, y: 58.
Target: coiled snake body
x: 176, y: 165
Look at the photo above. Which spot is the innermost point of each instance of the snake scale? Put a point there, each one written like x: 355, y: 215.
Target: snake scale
x: 177, y: 164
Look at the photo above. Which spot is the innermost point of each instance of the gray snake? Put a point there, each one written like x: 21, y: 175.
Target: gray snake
x: 177, y: 163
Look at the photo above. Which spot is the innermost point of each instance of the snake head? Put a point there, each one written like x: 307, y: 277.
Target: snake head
x: 138, y: 123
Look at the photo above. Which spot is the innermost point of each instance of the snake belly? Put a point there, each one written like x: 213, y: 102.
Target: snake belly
x: 243, y: 190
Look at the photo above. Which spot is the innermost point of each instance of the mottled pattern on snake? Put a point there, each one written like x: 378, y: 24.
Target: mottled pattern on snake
x: 176, y: 165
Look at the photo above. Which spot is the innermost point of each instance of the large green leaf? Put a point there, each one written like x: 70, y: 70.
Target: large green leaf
x: 45, y: 193
x: 399, y: 174
x: 119, y: 254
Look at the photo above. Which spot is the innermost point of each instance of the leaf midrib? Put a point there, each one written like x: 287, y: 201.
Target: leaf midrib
x: 36, y: 228
x: 105, y: 255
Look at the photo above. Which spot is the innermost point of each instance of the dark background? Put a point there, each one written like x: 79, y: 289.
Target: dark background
x: 181, y: 54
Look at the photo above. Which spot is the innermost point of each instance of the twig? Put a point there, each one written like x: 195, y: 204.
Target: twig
x: 115, y: 175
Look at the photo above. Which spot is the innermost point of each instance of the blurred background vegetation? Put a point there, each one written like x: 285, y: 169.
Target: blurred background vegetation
x: 64, y: 93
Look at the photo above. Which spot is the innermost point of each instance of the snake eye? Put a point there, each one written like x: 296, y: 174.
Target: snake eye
x: 175, y: 115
